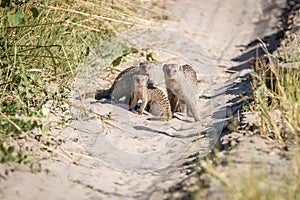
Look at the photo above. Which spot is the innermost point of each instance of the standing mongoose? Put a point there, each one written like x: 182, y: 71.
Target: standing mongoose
x: 182, y: 85
x: 152, y: 96
x: 179, y: 105
x: 123, y: 86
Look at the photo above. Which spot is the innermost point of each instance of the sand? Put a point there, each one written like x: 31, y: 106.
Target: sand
x: 138, y: 159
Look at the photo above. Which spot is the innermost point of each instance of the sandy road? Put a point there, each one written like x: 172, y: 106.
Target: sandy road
x: 142, y: 164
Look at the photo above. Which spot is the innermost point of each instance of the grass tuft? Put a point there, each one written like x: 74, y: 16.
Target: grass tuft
x: 42, y: 47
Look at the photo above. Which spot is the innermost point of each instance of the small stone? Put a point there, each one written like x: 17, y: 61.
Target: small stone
x: 177, y: 195
x: 233, y: 143
x: 192, y: 181
x: 239, y: 139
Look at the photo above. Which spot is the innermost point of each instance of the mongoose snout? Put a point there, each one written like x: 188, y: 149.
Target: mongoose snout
x: 145, y: 68
x: 170, y: 71
x: 140, y: 80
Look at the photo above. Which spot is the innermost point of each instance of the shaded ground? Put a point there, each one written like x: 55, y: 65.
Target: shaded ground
x: 228, y: 32
x: 245, y: 157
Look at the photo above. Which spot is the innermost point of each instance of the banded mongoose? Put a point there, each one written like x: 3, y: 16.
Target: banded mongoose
x: 152, y: 96
x: 182, y: 86
x: 122, y: 86
x: 179, y: 105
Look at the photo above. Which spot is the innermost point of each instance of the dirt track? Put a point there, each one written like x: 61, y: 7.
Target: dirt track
x: 227, y: 31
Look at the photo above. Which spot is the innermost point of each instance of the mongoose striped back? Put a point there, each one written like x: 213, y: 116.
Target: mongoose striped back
x: 152, y: 96
x: 182, y: 88
x: 123, y: 85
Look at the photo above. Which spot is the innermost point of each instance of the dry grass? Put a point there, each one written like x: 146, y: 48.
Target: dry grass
x: 276, y: 109
x: 43, y: 45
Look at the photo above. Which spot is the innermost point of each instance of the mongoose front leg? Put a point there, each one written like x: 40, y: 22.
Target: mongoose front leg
x: 173, y: 100
x: 143, y: 106
x: 193, y: 108
x: 182, y: 82
x: 134, y: 103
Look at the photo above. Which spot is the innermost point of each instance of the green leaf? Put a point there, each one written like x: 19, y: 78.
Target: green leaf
x: 5, y: 4
x: 16, y: 19
x: 134, y: 50
x: 45, y: 111
x: 150, y: 57
x: 10, y: 150
x: 35, y: 12
x: 117, y: 61
x: 34, y: 77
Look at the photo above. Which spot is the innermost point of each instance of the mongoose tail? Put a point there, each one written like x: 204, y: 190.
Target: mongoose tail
x: 101, y: 94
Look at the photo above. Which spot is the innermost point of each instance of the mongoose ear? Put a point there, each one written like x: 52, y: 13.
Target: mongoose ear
x: 142, y: 64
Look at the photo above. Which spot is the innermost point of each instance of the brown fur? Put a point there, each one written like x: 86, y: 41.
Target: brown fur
x: 181, y: 83
x: 123, y: 83
x: 157, y: 100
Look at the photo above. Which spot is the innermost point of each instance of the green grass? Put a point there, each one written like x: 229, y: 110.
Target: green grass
x: 276, y: 92
x: 276, y: 88
x: 42, y: 46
